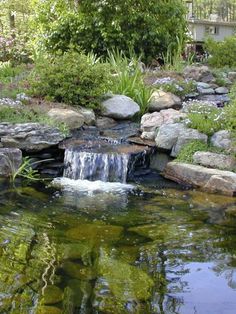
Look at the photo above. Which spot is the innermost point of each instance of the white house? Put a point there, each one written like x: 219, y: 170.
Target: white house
x: 212, y: 26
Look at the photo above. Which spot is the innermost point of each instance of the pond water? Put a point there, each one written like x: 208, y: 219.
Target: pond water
x: 116, y: 250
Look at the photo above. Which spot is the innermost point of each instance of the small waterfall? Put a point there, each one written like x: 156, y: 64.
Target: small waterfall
x: 107, y: 167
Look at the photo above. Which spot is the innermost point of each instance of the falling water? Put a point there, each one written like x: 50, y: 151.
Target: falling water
x: 107, y: 167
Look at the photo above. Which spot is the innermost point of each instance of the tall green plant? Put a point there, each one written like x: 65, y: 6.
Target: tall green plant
x: 129, y: 79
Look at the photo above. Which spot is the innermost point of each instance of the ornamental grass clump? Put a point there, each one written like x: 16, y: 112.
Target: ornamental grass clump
x: 206, y: 117
x: 128, y: 79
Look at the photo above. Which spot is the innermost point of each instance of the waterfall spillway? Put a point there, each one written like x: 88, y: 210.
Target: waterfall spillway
x: 85, y: 165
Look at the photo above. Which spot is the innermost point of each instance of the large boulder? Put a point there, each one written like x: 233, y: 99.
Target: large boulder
x: 119, y: 107
x: 163, y: 100
x: 71, y: 118
x: 214, y: 160
x: 174, y: 136
x: 29, y: 136
x: 10, y: 161
x: 212, y: 180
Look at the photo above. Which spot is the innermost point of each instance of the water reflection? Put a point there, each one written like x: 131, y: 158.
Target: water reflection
x: 157, y: 252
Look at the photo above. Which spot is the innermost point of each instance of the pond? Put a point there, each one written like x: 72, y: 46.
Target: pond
x: 116, y: 250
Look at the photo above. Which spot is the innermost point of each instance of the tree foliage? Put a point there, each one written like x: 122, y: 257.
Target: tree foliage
x: 147, y: 27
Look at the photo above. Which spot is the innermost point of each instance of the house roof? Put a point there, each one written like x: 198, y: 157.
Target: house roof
x: 210, y: 22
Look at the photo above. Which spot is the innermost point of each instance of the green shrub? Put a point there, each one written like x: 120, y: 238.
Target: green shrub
x: 222, y: 54
x: 129, y: 79
x: 146, y: 27
x: 230, y: 117
x: 71, y: 78
x: 205, y: 117
x: 187, y: 152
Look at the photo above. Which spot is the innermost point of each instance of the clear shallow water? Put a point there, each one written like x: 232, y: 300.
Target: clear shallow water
x: 114, y: 251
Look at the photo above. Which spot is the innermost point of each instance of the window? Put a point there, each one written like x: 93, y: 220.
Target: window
x: 212, y: 30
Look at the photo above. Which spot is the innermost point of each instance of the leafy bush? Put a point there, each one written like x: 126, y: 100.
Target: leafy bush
x: 71, y: 78
x: 129, y: 79
x: 222, y: 54
x: 187, y: 152
x: 146, y: 27
x: 14, y: 48
x: 205, y: 117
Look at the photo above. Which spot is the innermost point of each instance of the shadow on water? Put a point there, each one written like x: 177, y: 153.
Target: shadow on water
x: 144, y: 250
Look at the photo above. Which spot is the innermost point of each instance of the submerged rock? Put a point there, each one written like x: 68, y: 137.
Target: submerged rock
x: 119, y: 107
x: 48, y: 310
x: 79, y: 271
x: 212, y: 180
x: 120, y: 286
x: 95, y: 233
x: 52, y: 295
x: 29, y: 136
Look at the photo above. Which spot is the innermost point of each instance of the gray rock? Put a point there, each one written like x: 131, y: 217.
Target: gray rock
x: 119, y: 107
x: 167, y: 135
x: 105, y: 122
x: 232, y: 76
x: 174, y: 136
x: 71, y: 118
x: 221, y: 90
x: 212, y: 180
x: 221, y: 139
x: 159, y: 160
x: 198, y: 73
x: 10, y: 161
x: 205, y: 91
x: 148, y: 135
x: 185, y: 137
x: 219, y: 100
x: 203, y: 85
x: 151, y: 121
x: 161, y: 100
x: 213, y: 160
x: 29, y: 136
x: 88, y: 114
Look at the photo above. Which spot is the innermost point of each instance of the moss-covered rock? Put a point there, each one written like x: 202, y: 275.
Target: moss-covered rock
x: 52, y: 295
x: 125, y: 281
x: 95, y: 233
x: 78, y: 271
x: 48, y: 310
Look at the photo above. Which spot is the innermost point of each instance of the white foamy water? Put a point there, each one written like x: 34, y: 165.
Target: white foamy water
x: 92, y: 166
x: 91, y: 187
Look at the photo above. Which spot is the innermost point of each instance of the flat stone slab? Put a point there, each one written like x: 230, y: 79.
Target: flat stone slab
x: 29, y: 136
x: 211, y: 180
